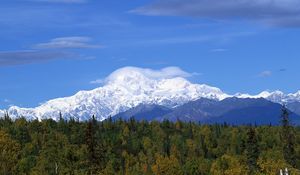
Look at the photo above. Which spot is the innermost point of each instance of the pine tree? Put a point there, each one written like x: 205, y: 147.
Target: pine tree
x: 287, y: 138
x: 252, y: 150
x: 90, y: 142
x: 95, y: 147
x: 21, y: 132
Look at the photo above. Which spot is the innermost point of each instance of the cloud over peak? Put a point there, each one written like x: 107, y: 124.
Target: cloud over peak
x: 270, y: 12
x: 168, y: 72
x: 127, y: 73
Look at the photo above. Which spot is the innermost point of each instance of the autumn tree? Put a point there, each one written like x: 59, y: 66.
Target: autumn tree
x: 166, y: 166
x: 9, y: 155
x: 228, y: 165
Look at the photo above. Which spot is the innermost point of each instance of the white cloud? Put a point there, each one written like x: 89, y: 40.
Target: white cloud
x: 168, y: 72
x: 62, y: 1
x: 98, y: 81
x: 219, y: 50
x: 68, y: 43
x: 197, y: 39
x: 265, y: 73
x: 270, y: 12
x: 164, y: 73
x: 7, y: 101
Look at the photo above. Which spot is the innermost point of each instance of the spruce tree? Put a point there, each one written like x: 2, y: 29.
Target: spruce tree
x: 252, y: 150
x: 90, y: 142
x: 287, y: 138
x: 95, y: 147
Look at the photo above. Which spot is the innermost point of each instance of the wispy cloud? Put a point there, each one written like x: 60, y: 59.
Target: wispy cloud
x: 218, y: 50
x: 68, y: 43
x: 62, y: 1
x: 31, y: 56
x: 98, y: 81
x: 46, y: 17
x: 265, y: 73
x: 272, y: 12
x: 55, y: 49
x: 7, y: 101
x: 197, y: 39
x: 178, y: 40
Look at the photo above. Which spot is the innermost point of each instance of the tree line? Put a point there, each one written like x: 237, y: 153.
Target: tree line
x: 135, y: 147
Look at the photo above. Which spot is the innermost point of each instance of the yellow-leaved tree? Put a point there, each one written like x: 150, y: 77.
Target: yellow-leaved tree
x: 228, y: 165
x: 166, y: 166
x: 9, y: 154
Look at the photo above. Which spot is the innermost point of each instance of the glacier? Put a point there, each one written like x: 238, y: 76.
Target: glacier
x: 128, y: 87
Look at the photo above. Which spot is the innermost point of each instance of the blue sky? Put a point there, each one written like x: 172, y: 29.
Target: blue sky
x: 54, y: 48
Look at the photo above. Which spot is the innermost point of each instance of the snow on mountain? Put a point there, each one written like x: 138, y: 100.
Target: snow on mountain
x: 293, y: 97
x: 130, y: 86
x: 275, y: 96
x: 123, y: 89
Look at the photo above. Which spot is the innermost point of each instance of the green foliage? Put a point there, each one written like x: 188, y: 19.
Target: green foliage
x: 229, y: 165
x: 288, y: 138
x: 9, y: 155
x: 252, y: 150
x: 142, y: 148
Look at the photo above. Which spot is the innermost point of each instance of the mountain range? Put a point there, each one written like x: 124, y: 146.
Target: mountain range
x: 232, y: 110
x: 162, y: 94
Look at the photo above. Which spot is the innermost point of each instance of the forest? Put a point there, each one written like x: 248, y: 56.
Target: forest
x: 131, y: 147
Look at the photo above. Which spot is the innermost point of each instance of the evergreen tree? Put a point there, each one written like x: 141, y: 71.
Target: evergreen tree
x: 287, y: 138
x: 90, y: 142
x: 252, y: 150
x: 95, y: 147
x: 133, y: 147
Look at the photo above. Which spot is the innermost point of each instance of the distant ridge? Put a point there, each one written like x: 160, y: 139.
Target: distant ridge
x: 234, y: 110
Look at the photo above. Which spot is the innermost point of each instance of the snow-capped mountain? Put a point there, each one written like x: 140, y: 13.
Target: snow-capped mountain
x: 276, y: 96
x: 130, y: 86
x: 124, y: 89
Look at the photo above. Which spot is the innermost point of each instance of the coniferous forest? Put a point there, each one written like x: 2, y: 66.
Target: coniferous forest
x: 161, y: 148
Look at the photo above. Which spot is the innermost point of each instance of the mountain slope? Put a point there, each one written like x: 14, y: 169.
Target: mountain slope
x: 199, y: 110
x: 144, y: 112
x: 261, y: 112
x: 294, y: 107
x: 231, y: 110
